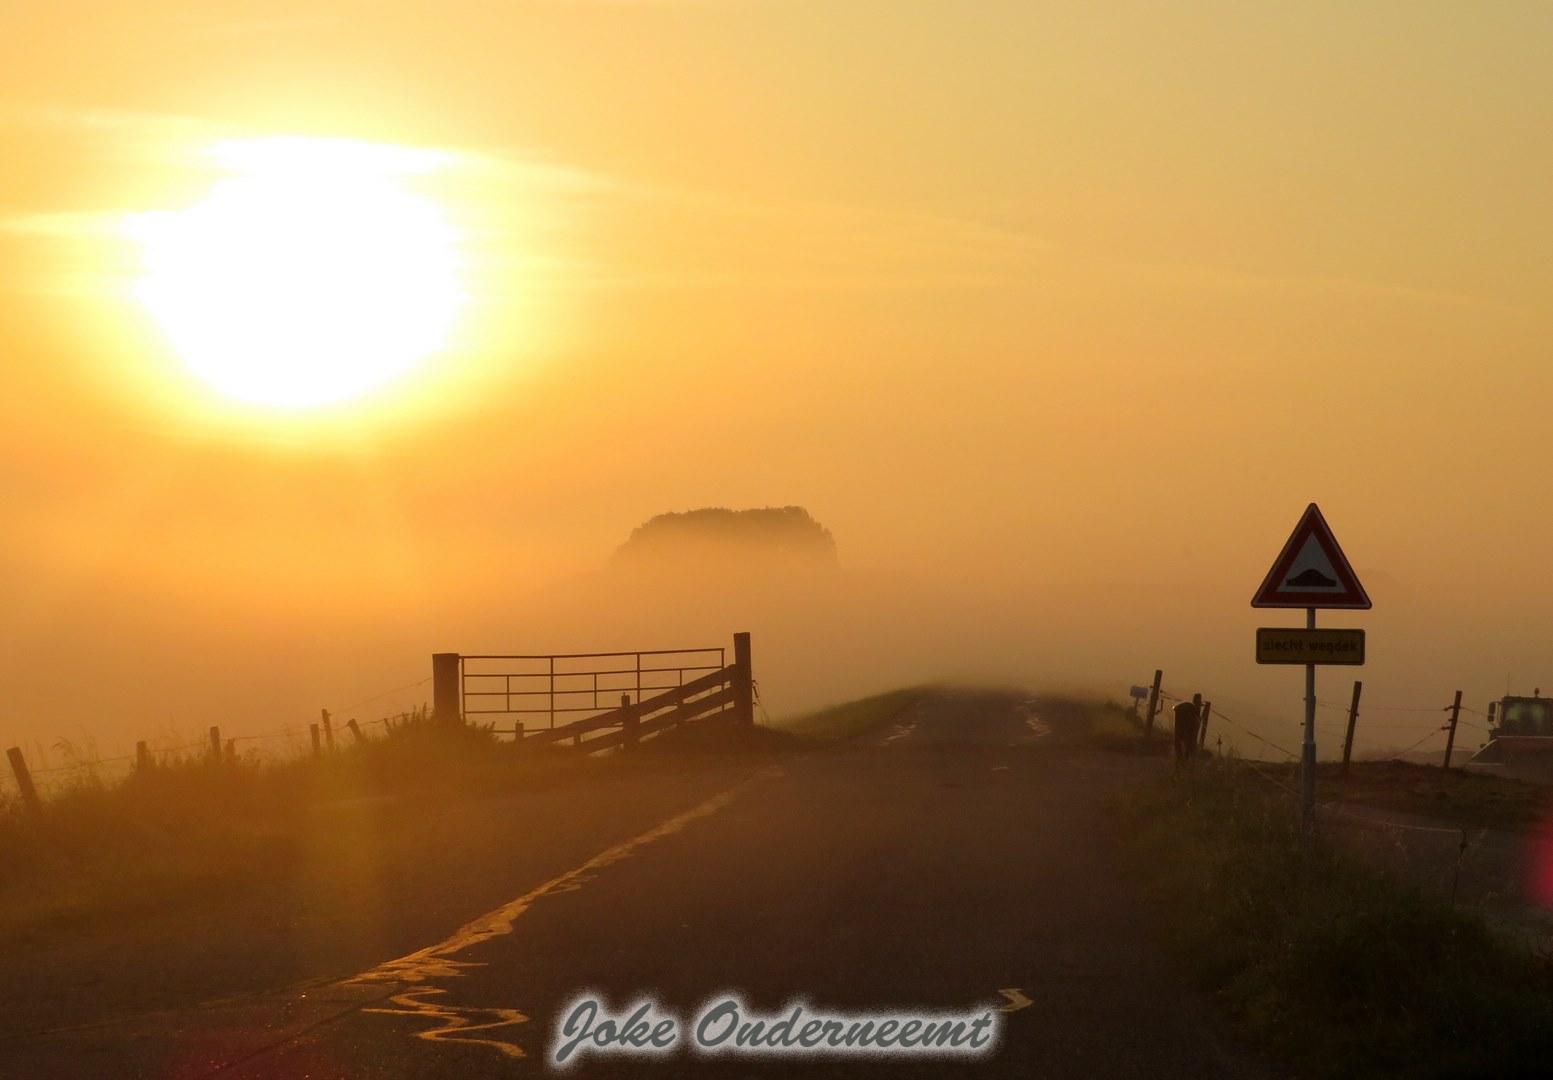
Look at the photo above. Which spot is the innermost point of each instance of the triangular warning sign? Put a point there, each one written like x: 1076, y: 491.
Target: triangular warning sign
x: 1311, y: 571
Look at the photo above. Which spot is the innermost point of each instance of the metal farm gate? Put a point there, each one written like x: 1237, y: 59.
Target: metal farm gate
x: 595, y: 700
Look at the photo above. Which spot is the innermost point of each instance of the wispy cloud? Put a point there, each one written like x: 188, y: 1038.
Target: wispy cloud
x: 589, y: 229
x: 639, y: 233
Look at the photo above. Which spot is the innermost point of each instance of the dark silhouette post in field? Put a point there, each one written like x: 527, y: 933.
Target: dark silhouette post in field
x: 24, y: 779
x: 446, y: 693
x: 1353, y: 718
x: 1148, y: 725
x: 1450, y: 740
x: 743, y: 681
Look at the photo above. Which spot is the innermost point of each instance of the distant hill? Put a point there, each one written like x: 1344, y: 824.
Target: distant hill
x: 774, y: 533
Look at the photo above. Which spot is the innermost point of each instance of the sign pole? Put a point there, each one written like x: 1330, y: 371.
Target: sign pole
x: 1311, y: 572
x: 1308, y: 759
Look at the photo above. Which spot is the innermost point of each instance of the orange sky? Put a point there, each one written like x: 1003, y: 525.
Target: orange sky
x: 1056, y: 314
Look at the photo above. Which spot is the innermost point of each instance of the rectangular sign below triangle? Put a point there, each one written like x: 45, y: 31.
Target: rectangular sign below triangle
x: 1311, y: 571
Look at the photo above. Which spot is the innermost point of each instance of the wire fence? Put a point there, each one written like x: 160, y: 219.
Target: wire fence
x: 1463, y: 863
x: 1402, y: 721
x: 1489, y: 868
x: 63, y: 763
x: 1466, y: 863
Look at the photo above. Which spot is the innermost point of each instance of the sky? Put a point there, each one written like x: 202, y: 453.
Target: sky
x: 1056, y: 314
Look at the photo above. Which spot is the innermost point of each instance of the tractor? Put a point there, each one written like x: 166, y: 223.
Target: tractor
x: 1520, y: 737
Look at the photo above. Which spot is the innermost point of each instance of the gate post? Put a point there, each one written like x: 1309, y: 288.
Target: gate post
x: 743, y: 681
x: 447, y: 692
x: 628, y: 720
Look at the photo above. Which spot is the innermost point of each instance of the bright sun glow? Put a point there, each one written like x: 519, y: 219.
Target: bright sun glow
x: 309, y: 274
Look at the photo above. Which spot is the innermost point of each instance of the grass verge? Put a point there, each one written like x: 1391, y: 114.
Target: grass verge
x: 193, y: 831
x: 1457, y: 796
x: 1332, y: 967
x: 192, y: 835
x: 853, y: 718
x: 1115, y: 728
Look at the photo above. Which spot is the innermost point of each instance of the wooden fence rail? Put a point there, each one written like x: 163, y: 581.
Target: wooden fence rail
x: 726, y: 692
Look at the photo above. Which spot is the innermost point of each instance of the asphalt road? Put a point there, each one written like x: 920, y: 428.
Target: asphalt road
x: 959, y: 860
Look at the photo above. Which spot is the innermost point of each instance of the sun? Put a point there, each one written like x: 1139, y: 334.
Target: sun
x: 309, y: 274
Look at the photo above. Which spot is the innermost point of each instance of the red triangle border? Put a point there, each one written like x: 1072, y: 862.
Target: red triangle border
x: 1312, y: 523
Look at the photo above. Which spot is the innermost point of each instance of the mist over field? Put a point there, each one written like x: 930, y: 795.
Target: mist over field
x: 825, y: 629
x: 931, y: 373
x: 1059, y: 375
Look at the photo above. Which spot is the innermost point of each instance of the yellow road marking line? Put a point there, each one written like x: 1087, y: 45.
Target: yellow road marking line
x: 1038, y: 727
x: 424, y: 967
x: 1016, y: 1000
x: 457, y: 1021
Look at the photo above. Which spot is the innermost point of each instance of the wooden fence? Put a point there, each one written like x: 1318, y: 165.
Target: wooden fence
x: 592, y: 701
x: 572, y: 697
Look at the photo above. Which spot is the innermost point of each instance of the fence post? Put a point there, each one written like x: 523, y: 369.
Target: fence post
x: 628, y: 722
x: 743, y: 681
x: 328, y: 723
x: 318, y: 745
x: 1148, y: 725
x: 1353, y: 718
x: 1202, y: 728
x: 142, y: 756
x: 356, y: 730
x: 215, y: 745
x: 24, y: 779
x: 447, y: 696
x: 231, y: 751
x: 1450, y: 740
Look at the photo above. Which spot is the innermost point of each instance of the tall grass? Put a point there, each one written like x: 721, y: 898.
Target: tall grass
x: 1336, y: 968
x: 195, y: 827
x: 1117, y: 728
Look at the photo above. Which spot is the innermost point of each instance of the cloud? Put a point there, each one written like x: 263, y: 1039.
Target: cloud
x: 621, y: 233
x: 171, y: 141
